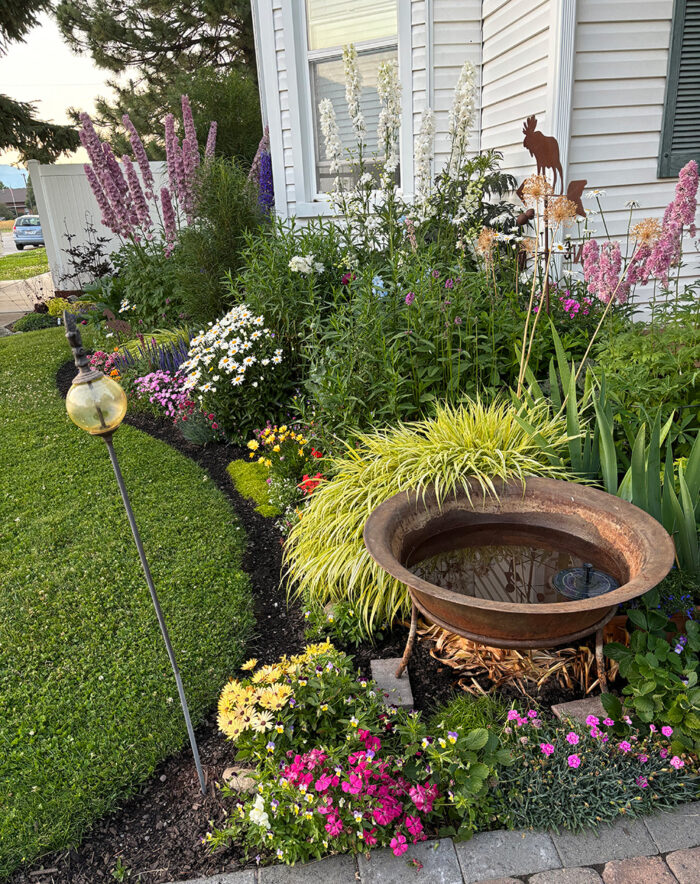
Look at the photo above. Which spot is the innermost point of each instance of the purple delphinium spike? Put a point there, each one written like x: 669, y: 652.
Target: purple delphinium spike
x: 190, y: 134
x: 211, y: 141
x: 140, y: 156
x: 263, y: 147
x: 90, y: 140
x: 137, y: 195
x: 109, y: 219
x: 266, y: 196
x: 173, y: 155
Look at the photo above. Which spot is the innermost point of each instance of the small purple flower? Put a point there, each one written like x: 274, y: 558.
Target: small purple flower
x: 410, y: 298
x: 449, y: 284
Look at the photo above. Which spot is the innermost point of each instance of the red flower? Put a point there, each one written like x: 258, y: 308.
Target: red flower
x: 309, y: 484
x: 315, y: 453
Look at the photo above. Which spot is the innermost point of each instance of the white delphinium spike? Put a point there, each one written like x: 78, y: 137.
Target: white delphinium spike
x: 331, y: 134
x: 462, y: 115
x: 425, y: 150
x: 389, y: 90
x: 353, y: 91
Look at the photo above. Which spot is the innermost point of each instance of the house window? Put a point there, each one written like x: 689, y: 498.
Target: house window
x: 680, y: 128
x: 371, y: 25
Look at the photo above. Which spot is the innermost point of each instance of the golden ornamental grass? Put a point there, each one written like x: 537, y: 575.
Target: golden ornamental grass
x: 325, y: 557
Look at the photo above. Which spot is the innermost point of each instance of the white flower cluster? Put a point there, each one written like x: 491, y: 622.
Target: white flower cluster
x: 305, y: 264
x: 353, y: 91
x: 331, y: 134
x: 425, y: 149
x: 126, y: 305
x: 462, y: 115
x: 389, y: 90
x: 227, y: 351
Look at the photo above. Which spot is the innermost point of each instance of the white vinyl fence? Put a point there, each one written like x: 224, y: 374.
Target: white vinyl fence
x: 65, y: 202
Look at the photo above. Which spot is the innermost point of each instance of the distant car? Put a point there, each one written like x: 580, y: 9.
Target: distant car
x: 27, y: 231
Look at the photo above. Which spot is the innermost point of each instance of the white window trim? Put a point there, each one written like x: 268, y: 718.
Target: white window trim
x: 309, y: 204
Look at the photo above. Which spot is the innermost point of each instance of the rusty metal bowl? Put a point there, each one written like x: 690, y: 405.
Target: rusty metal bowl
x: 612, y: 534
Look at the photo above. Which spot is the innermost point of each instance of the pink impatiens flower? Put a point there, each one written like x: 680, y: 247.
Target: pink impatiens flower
x: 398, y: 844
x: 414, y: 825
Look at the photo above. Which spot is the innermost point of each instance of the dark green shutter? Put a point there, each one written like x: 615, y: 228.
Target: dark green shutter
x: 680, y: 127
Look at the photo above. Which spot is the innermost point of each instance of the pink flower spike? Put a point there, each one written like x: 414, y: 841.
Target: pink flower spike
x: 573, y: 761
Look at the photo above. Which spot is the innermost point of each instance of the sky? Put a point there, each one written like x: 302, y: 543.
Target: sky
x: 45, y: 70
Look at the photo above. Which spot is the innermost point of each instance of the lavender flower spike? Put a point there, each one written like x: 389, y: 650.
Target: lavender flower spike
x: 109, y: 219
x: 137, y: 195
x: 211, y: 141
x: 140, y: 155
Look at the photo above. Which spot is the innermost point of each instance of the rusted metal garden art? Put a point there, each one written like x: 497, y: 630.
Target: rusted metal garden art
x: 483, y: 566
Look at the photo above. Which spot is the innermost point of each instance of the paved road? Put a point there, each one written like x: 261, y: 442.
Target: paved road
x: 8, y: 244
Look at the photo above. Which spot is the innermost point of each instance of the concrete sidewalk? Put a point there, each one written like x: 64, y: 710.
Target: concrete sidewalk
x: 660, y: 849
x: 18, y: 296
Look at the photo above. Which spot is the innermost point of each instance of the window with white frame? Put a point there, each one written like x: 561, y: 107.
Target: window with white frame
x: 371, y: 25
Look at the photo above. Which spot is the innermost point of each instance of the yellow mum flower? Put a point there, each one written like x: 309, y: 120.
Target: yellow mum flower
x: 276, y: 448
x: 250, y: 664
x: 283, y: 428
x: 253, y: 445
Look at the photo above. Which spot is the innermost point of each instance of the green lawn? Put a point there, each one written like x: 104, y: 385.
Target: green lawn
x: 88, y: 704
x: 22, y: 265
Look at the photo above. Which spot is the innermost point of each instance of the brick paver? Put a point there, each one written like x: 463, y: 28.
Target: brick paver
x: 640, y: 870
x: 567, y: 876
x: 685, y: 865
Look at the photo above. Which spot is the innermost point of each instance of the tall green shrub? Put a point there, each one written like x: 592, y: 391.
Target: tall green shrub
x: 211, y: 248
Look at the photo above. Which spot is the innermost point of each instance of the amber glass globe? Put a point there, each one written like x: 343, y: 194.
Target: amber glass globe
x: 97, y: 406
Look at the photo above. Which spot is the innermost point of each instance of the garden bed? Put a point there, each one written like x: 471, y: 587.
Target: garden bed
x: 157, y: 833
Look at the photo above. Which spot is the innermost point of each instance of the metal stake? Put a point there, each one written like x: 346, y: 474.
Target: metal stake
x: 156, y: 605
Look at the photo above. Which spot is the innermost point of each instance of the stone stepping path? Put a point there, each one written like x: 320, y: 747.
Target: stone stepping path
x: 660, y: 849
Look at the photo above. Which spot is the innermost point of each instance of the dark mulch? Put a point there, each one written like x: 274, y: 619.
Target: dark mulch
x: 157, y: 833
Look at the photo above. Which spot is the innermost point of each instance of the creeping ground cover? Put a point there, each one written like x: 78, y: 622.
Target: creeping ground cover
x: 88, y: 705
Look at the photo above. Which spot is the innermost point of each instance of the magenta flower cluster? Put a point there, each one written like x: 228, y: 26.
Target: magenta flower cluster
x: 650, y: 260
x: 163, y: 389
x: 103, y: 361
x: 574, y: 760
x: 363, y: 795
x: 601, y: 270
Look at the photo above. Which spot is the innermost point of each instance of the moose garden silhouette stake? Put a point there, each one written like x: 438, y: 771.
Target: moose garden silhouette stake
x: 545, y: 150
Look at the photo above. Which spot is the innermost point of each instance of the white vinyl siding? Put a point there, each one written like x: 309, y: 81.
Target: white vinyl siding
x: 516, y: 45
x: 619, y: 86
x: 456, y: 39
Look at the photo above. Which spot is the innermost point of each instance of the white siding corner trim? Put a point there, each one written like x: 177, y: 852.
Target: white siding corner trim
x: 562, y: 38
